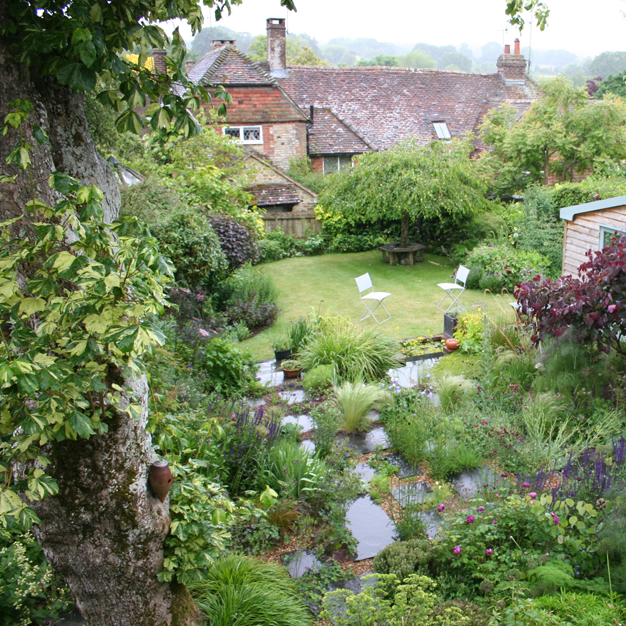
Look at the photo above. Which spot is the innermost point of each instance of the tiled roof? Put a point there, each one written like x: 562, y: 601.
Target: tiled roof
x: 267, y: 195
x: 228, y: 66
x: 329, y: 135
x: 385, y: 105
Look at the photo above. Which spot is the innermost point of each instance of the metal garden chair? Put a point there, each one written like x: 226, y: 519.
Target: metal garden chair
x: 372, y: 300
x: 460, y: 280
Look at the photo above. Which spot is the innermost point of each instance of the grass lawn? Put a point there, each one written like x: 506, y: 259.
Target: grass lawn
x: 326, y: 283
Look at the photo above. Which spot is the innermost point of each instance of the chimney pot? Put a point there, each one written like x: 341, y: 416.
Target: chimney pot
x: 160, y: 67
x: 517, y: 49
x: 218, y: 43
x: 507, y: 49
x: 277, y: 46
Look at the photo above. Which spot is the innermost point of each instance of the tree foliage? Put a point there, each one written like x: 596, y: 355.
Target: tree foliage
x: 590, y: 308
x: 561, y: 134
x: 434, y: 183
x: 608, y: 63
x: 615, y: 84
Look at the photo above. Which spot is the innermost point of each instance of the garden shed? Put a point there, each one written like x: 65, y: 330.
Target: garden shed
x: 589, y: 227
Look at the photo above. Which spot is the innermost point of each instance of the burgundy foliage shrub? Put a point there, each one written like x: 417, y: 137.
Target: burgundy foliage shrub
x: 237, y: 242
x: 590, y: 308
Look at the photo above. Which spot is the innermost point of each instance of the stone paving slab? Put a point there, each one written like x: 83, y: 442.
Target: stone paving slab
x: 432, y: 523
x: 470, y: 482
x: 293, y: 396
x: 301, y: 562
x: 367, y: 442
x: 413, y: 493
x: 364, y: 472
x: 371, y: 527
x: 405, y: 469
x: 304, y: 421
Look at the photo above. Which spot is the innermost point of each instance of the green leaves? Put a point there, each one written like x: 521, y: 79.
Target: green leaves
x: 77, y: 76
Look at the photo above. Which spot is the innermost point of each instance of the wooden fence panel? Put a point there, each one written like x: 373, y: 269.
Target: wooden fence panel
x: 296, y: 224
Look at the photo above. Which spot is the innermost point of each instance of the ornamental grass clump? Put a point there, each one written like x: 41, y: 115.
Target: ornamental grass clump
x: 455, y: 391
x: 356, y: 355
x: 240, y: 591
x: 356, y: 400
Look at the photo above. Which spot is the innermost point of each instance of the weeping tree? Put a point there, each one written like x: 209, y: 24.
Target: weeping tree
x: 435, y: 183
x: 77, y: 296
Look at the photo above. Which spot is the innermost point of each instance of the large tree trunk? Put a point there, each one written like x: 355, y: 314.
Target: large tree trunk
x: 104, y: 531
x: 404, y: 229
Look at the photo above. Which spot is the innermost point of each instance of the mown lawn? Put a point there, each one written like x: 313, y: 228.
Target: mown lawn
x: 326, y: 284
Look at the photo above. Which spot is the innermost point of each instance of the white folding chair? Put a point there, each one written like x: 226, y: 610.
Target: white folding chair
x: 460, y: 279
x: 364, y: 283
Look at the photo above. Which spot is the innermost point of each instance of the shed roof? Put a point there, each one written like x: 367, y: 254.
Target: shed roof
x: 272, y: 193
x: 570, y: 212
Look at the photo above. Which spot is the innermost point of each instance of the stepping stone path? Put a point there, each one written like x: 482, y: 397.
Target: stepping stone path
x: 364, y: 472
x: 432, y: 523
x: 470, y: 482
x: 301, y: 562
x: 304, y: 421
x: 371, y: 527
x: 367, y: 442
x: 413, y: 493
x: 294, y: 396
x: 405, y: 469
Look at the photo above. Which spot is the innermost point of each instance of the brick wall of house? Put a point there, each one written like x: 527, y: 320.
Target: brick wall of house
x: 284, y: 142
x: 317, y: 164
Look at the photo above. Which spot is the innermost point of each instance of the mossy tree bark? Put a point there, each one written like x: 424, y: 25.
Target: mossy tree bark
x: 104, y: 531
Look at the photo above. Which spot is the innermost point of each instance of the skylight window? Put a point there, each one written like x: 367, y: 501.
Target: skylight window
x: 441, y: 128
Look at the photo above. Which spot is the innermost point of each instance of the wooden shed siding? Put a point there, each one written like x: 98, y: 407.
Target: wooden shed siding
x: 583, y: 234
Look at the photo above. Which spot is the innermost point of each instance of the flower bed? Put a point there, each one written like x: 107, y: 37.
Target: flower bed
x: 423, y: 348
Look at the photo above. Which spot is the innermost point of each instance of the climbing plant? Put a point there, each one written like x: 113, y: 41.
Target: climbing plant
x: 77, y: 300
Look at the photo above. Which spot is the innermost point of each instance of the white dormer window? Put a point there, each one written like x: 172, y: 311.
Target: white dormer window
x: 245, y: 134
x: 442, y: 130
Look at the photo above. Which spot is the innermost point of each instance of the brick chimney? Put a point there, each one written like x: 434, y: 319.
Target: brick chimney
x: 277, y: 47
x: 160, y: 66
x: 512, y: 67
x: 218, y: 43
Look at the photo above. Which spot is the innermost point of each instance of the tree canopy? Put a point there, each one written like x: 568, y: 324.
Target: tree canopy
x: 434, y: 183
x: 561, y: 134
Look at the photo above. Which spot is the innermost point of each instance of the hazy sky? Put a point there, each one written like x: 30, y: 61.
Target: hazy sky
x: 585, y: 27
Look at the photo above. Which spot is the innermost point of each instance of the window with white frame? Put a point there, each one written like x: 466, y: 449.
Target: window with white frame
x: 442, y: 130
x: 337, y: 163
x: 607, y: 233
x: 245, y: 134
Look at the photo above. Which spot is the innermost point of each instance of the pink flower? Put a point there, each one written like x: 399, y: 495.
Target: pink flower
x: 203, y: 332
x: 556, y: 519
x: 525, y: 485
x: 484, y: 423
x: 469, y: 519
x: 532, y: 494
x: 457, y: 550
x: 441, y: 507
x: 481, y: 509
x: 488, y: 552
x: 612, y: 307
x: 504, y: 474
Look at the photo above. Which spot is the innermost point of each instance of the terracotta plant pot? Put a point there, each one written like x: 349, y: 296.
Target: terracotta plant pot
x: 292, y: 373
x: 160, y: 479
x: 452, y: 344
